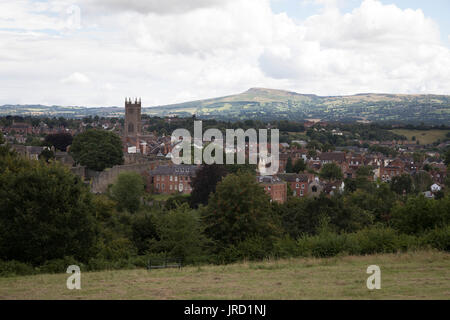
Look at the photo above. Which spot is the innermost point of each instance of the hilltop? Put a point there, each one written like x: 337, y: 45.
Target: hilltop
x: 270, y: 104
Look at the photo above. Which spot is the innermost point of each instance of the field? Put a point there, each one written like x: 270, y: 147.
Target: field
x: 418, y: 275
x: 424, y: 136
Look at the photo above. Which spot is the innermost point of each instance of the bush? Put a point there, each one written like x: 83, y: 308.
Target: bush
x: 59, y: 265
x: 438, y: 238
x: 15, y: 268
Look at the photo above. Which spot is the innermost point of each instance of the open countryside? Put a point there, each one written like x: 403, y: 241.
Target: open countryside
x: 413, y: 275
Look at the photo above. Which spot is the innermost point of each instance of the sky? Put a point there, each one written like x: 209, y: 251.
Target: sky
x: 97, y: 52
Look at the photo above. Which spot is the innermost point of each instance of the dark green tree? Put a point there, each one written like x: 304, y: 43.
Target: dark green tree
x: 204, y: 183
x: 402, y: 184
x: 331, y: 171
x: 97, y: 149
x: 60, y: 140
x: 45, y: 213
x: 299, y: 166
x: 289, y: 166
x: 127, y: 191
x: 240, y: 208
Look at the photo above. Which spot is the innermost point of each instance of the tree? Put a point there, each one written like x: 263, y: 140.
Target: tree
x: 204, y: 183
x: 299, y: 166
x: 60, y: 140
x: 2, y: 140
x: 420, y: 214
x: 239, y: 209
x: 180, y: 234
x: 331, y: 171
x: 447, y: 157
x: 127, y: 191
x: 289, y: 166
x: 402, y: 184
x: 97, y: 149
x: 46, y: 155
x: 422, y: 181
x: 46, y: 213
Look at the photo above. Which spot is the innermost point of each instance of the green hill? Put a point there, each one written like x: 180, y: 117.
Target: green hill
x: 269, y: 104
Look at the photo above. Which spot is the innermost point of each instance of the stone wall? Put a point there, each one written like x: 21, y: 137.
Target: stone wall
x: 99, y: 181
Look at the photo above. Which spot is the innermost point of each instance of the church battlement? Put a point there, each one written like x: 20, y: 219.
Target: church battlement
x: 133, y: 126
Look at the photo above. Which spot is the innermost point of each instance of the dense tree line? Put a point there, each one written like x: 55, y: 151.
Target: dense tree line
x: 49, y: 219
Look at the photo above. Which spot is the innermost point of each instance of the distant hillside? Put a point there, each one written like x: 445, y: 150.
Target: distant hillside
x: 270, y: 104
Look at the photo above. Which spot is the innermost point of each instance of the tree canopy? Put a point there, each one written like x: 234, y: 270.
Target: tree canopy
x: 60, y: 140
x: 45, y: 213
x: 97, y: 149
x: 127, y: 191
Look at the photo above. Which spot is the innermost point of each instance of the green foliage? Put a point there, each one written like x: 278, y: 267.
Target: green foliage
x: 204, y: 183
x: 331, y: 171
x: 59, y: 140
x: 438, y: 238
x: 402, y: 184
x: 422, y: 181
x: 420, y: 214
x: 47, y: 155
x: 97, y: 149
x: 239, y: 209
x: 289, y: 166
x: 368, y: 241
x: 144, y: 231
x: 127, y: 191
x: 299, y: 166
x: 180, y: 234
x: 45, y: 213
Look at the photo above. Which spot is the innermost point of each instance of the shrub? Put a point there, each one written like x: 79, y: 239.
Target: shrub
x: 438, y: 238
x: 15, y: 268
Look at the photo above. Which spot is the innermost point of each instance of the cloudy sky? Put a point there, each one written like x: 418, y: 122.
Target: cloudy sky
x: 97, y: 52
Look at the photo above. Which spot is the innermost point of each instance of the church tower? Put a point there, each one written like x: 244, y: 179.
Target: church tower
x: 133, y: 126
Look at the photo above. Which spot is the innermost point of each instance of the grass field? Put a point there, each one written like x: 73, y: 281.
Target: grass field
x: 419, y: 275
x: 424, y: 136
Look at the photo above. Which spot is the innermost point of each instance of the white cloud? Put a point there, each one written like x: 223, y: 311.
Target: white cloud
x: 151, y: 6
x: 165, y: 54
x: 76, y: 78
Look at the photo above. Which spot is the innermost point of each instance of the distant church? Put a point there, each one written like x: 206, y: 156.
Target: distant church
x: 133, y: 125
x: 132, y: 130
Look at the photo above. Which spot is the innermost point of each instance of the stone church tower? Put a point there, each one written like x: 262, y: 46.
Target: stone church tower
x: 133, y: 126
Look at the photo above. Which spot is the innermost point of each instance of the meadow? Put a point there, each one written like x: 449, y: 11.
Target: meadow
x: 411, y: 275
x: 423, y: 136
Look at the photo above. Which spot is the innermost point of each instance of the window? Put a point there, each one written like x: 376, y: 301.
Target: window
x: 176, y: 178
x: 314, y: 189
x: 297, y: 186
x: 157, y: 186
x: 162, y: 186
x: 158, y: 178
x: 303, y: 186
x: 171, y: 178
x: 301, y: 193
x: 170, y: 187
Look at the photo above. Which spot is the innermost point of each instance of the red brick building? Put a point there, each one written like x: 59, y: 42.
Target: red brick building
x: 171, y: 179
x: 298, y: 183
x: 274, y: 187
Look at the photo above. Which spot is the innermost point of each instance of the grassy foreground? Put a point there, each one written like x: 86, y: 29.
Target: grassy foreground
x: 415, y: 275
